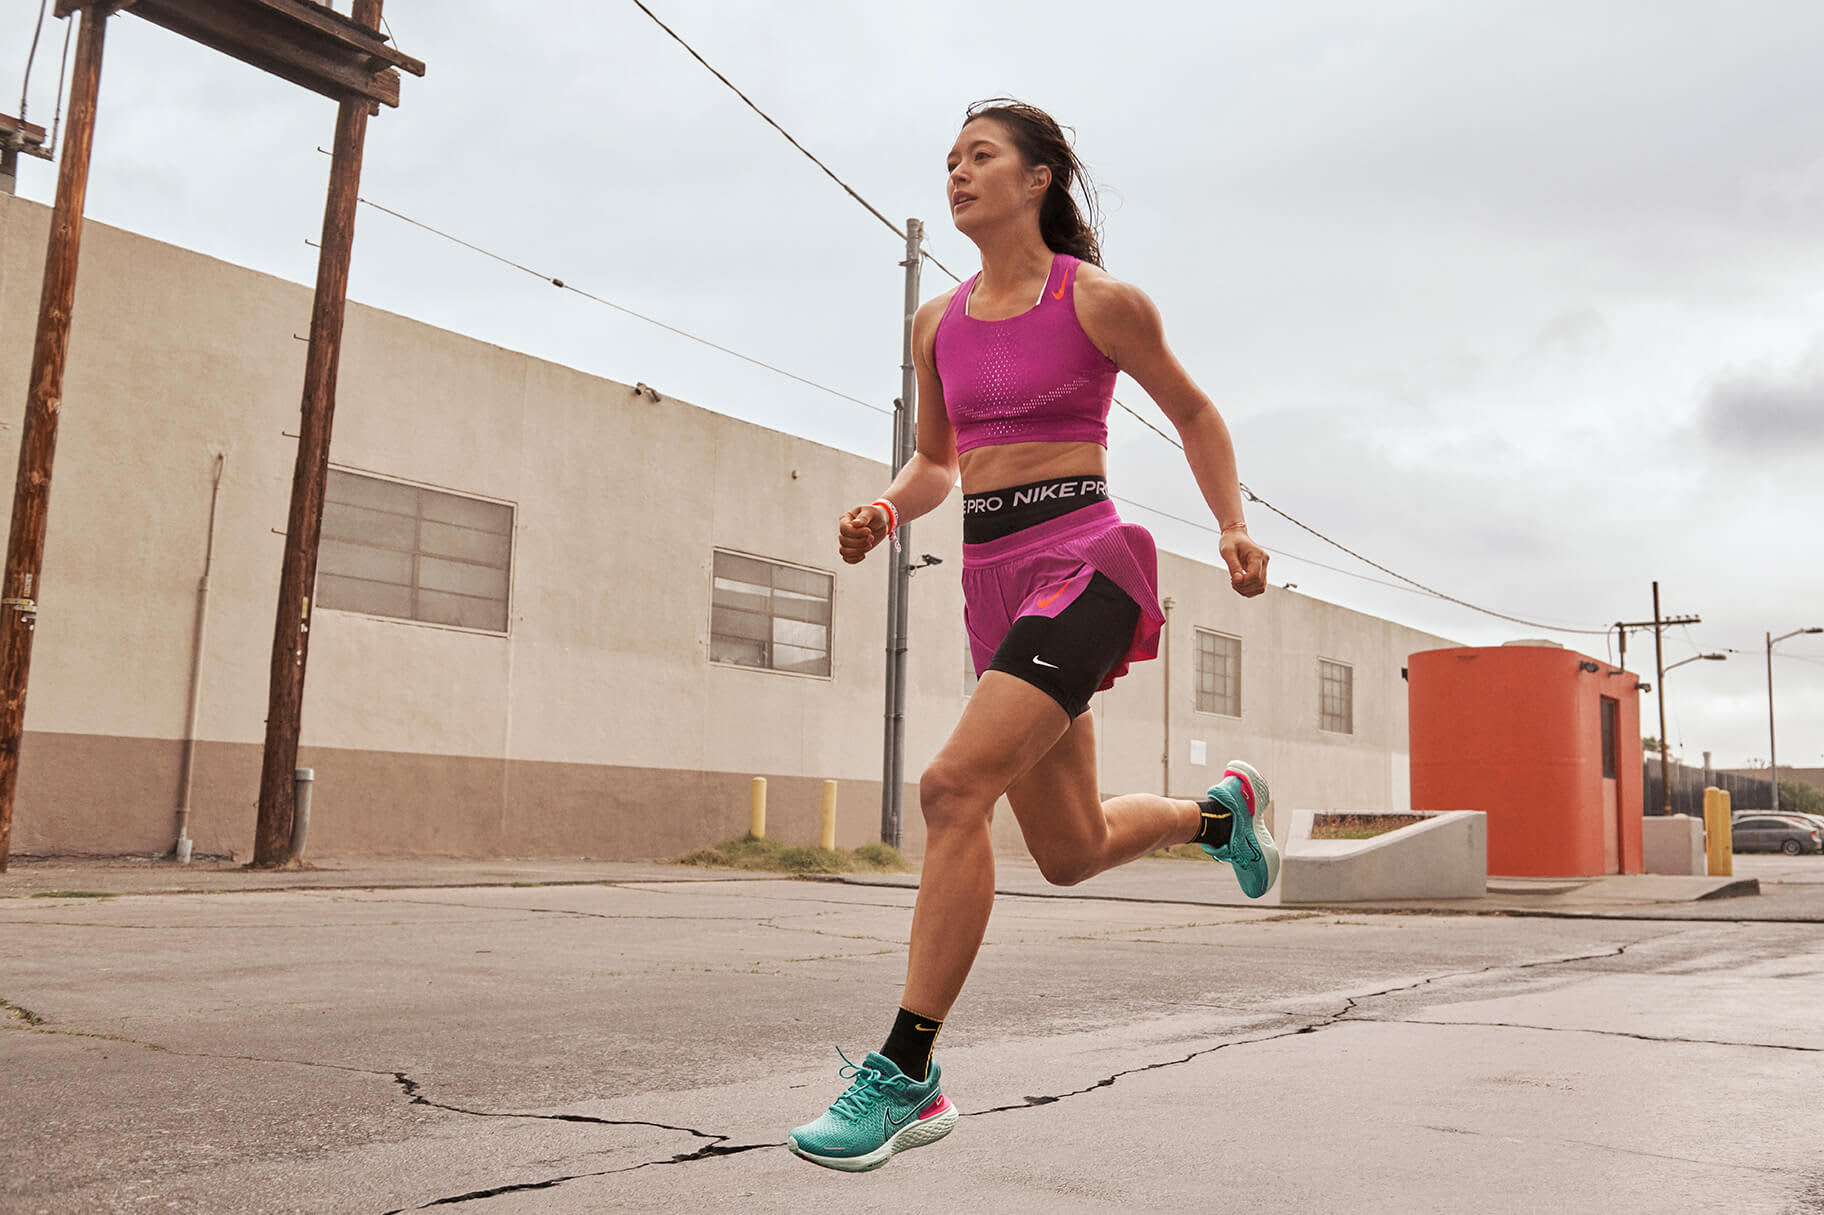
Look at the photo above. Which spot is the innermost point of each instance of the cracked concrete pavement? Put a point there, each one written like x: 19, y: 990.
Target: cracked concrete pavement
x: 643, y: 1045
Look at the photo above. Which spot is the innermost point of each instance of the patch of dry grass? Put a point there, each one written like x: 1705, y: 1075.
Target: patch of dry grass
x: 772, y: 856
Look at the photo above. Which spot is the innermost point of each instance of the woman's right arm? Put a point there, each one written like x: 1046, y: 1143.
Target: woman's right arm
x: 930, y: 475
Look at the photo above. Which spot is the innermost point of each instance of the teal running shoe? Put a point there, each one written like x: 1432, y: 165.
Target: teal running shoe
x: 884, y: 1111
x: 1250, y: 852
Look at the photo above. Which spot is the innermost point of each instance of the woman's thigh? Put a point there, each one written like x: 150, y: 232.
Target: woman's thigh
x: 1057, y: 801
x: 1008, y: 726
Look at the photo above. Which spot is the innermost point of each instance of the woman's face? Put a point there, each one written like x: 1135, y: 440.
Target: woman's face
x: 989, y: 183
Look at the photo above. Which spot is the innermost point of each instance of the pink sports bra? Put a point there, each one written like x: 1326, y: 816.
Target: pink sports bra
x: 1035, y: 376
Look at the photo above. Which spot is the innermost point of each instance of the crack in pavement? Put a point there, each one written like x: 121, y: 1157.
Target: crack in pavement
x: 588, y: 915
x: 769, y: 922
x: 1108, y: 1081
x: 1618, y: 951
x: 1604, y: 1033
x: 554, y: 1182
x: 718, y: 1146
x: 846, y: 957
x: 36, y: 1024
x: 1340, y: 1017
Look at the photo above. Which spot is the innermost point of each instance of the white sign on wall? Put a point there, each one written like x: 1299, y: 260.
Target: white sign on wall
x: 1199, y: 753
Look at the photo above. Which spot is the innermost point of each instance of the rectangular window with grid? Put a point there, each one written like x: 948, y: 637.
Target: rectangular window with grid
x: 1336, y: 712
x: 392, y: 549
x: 769, y: 615
x: 1218, y: 674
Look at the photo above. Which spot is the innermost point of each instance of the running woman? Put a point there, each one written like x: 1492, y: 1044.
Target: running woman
x: 1016, y: 371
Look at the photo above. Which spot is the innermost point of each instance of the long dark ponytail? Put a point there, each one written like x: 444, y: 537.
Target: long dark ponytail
x: 1065, y: 227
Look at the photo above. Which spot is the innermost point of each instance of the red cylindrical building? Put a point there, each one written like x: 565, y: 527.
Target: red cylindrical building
x: 1543, y: 740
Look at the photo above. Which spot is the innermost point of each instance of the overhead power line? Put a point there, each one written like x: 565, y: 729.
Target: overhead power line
x: 831, y: 173
x: 588, y: 295
x: 1411, y: 582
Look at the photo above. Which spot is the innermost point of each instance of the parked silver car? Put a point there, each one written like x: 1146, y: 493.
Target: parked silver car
x: 1793, y: 834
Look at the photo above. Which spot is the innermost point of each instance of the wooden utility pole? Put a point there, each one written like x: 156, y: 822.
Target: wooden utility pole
x: 43, y: 404
x: 303, y: 531
x: 1659, y: 624
x: 308, y: 44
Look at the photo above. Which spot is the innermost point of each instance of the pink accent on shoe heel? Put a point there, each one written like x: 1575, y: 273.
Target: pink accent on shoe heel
x: 1247, y: 788
x: 935, y: 1108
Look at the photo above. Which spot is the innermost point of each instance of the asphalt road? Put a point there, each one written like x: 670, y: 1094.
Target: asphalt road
x: 645, y: 1045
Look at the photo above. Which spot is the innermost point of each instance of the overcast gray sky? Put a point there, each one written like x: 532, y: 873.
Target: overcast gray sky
x: 1522, y: 300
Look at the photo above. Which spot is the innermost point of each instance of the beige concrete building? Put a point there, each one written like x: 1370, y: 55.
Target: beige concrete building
x: 521, y: 646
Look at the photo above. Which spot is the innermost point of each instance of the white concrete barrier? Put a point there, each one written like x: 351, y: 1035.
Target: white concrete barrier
x: 1673, y: 843
x: 1443, y: 856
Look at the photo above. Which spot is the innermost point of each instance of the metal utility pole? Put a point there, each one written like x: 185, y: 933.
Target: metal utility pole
x: 1773, y: 759
x: 303, y: 530
x: 899, y: 576
x: 1658, y: 624
x: 1165, y: 715
x: 1773, y: 763
x: 43, y: 406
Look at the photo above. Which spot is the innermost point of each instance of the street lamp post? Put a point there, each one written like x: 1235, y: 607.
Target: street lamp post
x: 1665, y: 748
x: 1773, y: 763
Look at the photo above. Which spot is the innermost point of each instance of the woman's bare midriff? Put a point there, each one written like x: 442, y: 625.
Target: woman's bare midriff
x: 990, y: 468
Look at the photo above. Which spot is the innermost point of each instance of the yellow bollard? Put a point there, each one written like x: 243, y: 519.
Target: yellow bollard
x: 1719, y: 837
x: 756, y: 822
x: 826, y: 838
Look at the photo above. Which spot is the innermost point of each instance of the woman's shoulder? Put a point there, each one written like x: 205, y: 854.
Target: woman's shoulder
x: 1106, y: 302
x: 932, y: 311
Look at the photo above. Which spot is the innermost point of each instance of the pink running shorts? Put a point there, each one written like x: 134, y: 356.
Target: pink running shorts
x: 1040, y: 571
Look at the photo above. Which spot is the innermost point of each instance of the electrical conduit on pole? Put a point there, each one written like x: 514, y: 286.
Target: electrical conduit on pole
x: 905, y: 434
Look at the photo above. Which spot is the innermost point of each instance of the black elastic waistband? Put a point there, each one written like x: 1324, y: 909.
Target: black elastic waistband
x: 1002, y: 512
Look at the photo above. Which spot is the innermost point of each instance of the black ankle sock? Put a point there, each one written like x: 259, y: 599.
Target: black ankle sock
x: 910, y: 1043
x: 1213, y: 827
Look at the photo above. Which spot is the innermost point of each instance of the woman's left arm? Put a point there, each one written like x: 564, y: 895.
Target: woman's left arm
x: 1125, y: 324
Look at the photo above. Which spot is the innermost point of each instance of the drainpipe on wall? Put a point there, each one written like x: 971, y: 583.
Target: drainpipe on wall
x: 180, y: 851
